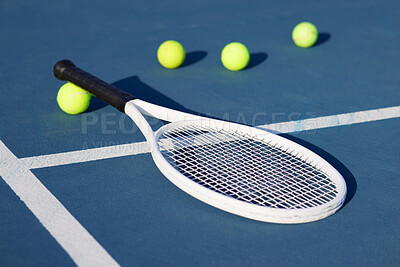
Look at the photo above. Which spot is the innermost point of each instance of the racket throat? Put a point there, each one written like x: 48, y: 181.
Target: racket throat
x: 132, y: 111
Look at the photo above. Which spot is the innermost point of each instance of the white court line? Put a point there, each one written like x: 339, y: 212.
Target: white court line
x: 85, y: 155
x: 334, y: 120
x: 69, y: 233
x: 141, y: 147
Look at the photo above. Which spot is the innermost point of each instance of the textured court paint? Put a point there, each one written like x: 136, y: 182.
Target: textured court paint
x: 69, y: 233
x: 36, y: 162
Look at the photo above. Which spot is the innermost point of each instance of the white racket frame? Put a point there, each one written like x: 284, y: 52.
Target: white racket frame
x: 135, y: 109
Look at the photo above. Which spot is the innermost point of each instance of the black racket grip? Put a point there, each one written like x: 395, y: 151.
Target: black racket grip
x: 67, y: 71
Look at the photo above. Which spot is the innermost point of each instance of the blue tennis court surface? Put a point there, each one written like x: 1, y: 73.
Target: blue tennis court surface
x: 84, y: 190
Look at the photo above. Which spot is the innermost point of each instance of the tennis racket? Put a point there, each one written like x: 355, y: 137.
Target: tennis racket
x: 236, y: 168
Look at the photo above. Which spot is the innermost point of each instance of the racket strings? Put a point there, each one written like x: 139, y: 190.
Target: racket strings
x: 246, y: 169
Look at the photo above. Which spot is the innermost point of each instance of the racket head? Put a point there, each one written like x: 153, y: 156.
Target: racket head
x: 248, y: 171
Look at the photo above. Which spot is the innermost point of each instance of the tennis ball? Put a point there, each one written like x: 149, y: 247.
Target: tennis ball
x: 72, y: 99
x: 171, y: 54
x: 235, y: 56
x: 305, y: 34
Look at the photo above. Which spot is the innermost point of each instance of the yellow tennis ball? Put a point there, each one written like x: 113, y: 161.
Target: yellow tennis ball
x: 72, y: 99
x: 171, y: 54
x: 305, y: 34
x: 235, y: 56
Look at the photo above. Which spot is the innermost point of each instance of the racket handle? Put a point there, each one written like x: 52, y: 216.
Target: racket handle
x: 67, y: 71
